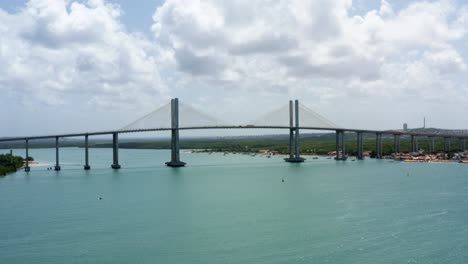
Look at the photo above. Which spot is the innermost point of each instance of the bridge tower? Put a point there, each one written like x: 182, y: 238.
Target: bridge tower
x: 175, y: 149
x: 294, y: 154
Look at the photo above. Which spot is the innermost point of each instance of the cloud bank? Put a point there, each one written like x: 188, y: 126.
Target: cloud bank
x: 53, y: 52
x: 229, y: 53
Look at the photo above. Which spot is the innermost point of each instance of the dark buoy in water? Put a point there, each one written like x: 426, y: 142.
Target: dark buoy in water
x: 282, y: 180
x: 100, y: 198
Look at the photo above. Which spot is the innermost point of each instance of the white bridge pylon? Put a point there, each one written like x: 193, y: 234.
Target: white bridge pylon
x: 191, y: 117
x: 280, y: 117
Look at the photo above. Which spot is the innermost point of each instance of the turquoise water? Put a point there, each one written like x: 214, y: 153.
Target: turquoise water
x: 232, y: 209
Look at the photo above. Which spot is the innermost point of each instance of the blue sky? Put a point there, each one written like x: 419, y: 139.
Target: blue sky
x: 87, y: 65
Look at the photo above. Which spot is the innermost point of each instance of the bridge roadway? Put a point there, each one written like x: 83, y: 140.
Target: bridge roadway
x: 110, y: 132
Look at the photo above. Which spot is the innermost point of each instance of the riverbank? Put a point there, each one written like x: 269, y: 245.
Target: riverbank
x: 403, y: 157
x: 10, y: 163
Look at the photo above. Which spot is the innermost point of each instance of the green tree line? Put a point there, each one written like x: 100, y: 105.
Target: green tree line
x: 10, y: 163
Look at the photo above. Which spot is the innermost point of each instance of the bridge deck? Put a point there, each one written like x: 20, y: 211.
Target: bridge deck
x: 389, y: 132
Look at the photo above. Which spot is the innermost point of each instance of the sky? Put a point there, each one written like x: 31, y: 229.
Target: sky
x: 91, y: 65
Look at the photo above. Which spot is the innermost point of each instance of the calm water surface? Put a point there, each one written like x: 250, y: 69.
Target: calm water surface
x: 232, y: 209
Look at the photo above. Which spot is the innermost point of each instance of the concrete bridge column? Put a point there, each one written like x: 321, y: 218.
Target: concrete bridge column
x: 360, y: 150
x: 86, y: 166
x: 399, y: 144
x: 340, y: 145
x: 57, y: 164
x: 343, y: 146
x: 115, y: 151
x: 431, y: 144
x: 413, y: 143
x: 396, y: 139
x: 449, y: 145
x: 27, y: 168
x: 175, y: 149
x: 362, y: 145
x: 378, y: 147
x: 337, y: 146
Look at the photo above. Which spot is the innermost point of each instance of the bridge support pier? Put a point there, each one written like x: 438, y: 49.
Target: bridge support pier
x: 431, y: 144
x: 360, y: 146
x: 378, y: 145
x: 26, y: 167
x: 57, y: 164
x: 343, y: 146
x: 86, y: 166
x: 294, y: 156
x: 396, y: 139
x: 340, y: 145
x: 337, y: 145
x: 115, y: 151
x: 175, y: 149
x: 413, y: 143
x: 448, y: 144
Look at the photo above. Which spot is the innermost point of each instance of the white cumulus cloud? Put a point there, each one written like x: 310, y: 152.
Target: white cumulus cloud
x: 71, y: 54
x: 57, y: 51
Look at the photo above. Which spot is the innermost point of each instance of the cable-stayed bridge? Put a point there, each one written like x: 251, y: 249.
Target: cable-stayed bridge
x: 293, y: 117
